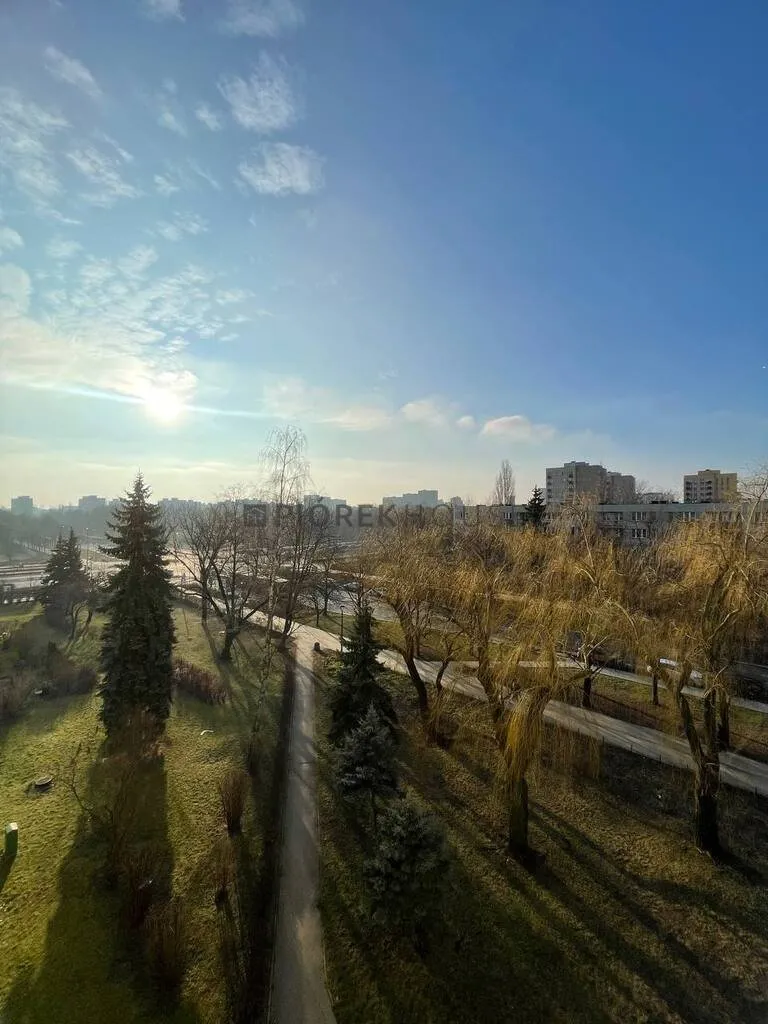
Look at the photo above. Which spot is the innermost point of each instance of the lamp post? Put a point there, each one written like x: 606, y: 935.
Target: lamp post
x: 341, y: 631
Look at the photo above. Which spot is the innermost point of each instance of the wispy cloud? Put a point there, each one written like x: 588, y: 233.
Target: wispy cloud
x: 62, y: 248
x: 165, y: 185
x: 431, y: 411
x: 209, y: 117
x: 161, y: 10
x: 466, y: 423
x: 138, y: 261
x: 264, y: 102
x: 25, y: 129
x: 9, y: 239
x: 278, y: 169
x: 102, y: 172
x: 517, y: 428
x: 15, y: 289
x: 181, y: 225
x: 72, y: 71
x: 262, y: 17
x: 226, y: 296
x: 124, y: 155
x: 168, y: 111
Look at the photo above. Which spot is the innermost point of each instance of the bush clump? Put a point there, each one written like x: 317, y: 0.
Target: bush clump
x: 166, y: 931
x: 232, y: 790
x: 14, y: 691
x: 198, y: 682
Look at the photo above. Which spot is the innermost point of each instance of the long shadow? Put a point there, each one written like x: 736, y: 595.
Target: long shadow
x: 660, y: 973
x: 94, y: 966
x: 6, y: 863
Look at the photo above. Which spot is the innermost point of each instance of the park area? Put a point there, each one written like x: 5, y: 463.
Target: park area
x: 73, y: 943
x: 622, y: 919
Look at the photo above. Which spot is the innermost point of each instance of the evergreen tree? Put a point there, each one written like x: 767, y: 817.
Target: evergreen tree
x: 406, y: 876
x: 535, y: 510
x: 65, y: 583
x: 358, y: 687
x: 138, y: 639
x: 366, y: 761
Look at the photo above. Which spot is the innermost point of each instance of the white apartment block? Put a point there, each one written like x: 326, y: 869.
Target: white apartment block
x: 709, y: 485
x: 574, y: 479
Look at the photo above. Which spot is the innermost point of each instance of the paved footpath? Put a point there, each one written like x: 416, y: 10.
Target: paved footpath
x: 299, y: 994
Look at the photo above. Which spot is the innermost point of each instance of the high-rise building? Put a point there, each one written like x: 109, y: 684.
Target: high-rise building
x: 710, y: 485
x: 573, y: 479
x: 90, y: 502
x: 422, y: 499
x: 23, y: 505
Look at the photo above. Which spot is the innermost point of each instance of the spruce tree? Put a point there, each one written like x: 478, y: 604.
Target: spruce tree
x: 65, y: 583
x: 138, y: 639
x: 535, y: 510
x: 358, y: 687
x: 366, y: 761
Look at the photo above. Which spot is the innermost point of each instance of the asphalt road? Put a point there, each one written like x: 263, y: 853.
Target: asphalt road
x: 299, y: 994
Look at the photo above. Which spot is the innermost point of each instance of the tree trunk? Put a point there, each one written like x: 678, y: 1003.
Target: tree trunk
x: 706, y: 784
x: 230, y: 635
x: 440, y: 674
x: 325, y: 602
x: 655, y: 689
x: 518, y: 819
x: 586, y: 692
x: 418, y: 683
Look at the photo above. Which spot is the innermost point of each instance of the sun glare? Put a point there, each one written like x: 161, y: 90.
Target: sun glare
x: 163, y: 405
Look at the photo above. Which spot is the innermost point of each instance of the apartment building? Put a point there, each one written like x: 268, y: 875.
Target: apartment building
x: 413, y: 499
x: 23, y: 505
x: 574, y: 479
x: 709, y: 485
x: 640, y: 522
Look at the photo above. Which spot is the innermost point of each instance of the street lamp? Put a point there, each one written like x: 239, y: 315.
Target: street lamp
x: 341, y: 631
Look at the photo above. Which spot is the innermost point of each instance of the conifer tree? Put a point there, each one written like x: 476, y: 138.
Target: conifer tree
x: 366, y: 761
x: 138, y: 639
x: 535, y: 509
x: 65, y: 584
x: 358, y: 687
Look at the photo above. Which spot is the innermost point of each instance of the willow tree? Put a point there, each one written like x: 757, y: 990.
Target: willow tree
x: 709, y: 600
x: 405, y: 560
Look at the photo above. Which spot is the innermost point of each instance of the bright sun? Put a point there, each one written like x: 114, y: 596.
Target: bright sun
x: 162, y: 404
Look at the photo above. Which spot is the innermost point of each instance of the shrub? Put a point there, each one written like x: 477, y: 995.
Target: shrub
x: 139, y: 885
x: 232, y: 789
x: 198, y: 682
x: 166, y: 929
x: 406, y: 876
x: 14, y: 691
x: 65, y: 677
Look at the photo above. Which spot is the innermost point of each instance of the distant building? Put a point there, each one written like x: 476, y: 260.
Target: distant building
x: 90, y: 502
x: 313, y: 500
x: 575, y: 479
x: 423, y: 499
x: 638, y: 523
x: 710, y: 485
x: 23, y: 505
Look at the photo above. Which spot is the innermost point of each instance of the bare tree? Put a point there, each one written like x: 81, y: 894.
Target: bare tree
x: 198, y: 534
x: 504, y: 485
x: 324, y: 583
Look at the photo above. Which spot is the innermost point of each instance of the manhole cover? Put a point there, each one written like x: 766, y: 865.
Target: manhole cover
x: 43, y: 783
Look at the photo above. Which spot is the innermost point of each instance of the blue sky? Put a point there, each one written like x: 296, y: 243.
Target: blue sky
x: 433, y: 234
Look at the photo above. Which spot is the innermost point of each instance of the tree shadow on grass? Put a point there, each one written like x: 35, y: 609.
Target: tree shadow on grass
x: 94, y: 966
x: 691, y: 985
x: 6, y: 863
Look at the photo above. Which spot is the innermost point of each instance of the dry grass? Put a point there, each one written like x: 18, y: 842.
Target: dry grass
x: 624, y: 922
x: 62, y: 954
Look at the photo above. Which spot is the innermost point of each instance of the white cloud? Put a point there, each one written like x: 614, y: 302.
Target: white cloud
x: 466, y: 422
x: 227, y: 296
x: 168, y: 118
x: 279, y: 169
x: 517, y: 428
x: 181, y: 225
x: 265, y: 101
x: 103, y: 172
x: 15, y: 289
x: 73, y: 72
x: 209, y: 117
x: 124, y: 155
x: 262, y: 17
x: 430, y: 411
x: 24, y: 131
x: 62, y: 248
x: 159, y: 10
x: 165, y: 185
x: 9, y: 239
x: 361, y: 417
x: 207, y: 177
x: 138, y: 261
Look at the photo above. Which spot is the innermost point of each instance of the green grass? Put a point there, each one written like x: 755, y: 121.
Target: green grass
x: 624, y: 922
x: 63, y: 956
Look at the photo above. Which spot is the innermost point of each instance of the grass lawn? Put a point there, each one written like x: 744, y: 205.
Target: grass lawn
x: 625, y: 921
x: 63, y: 955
